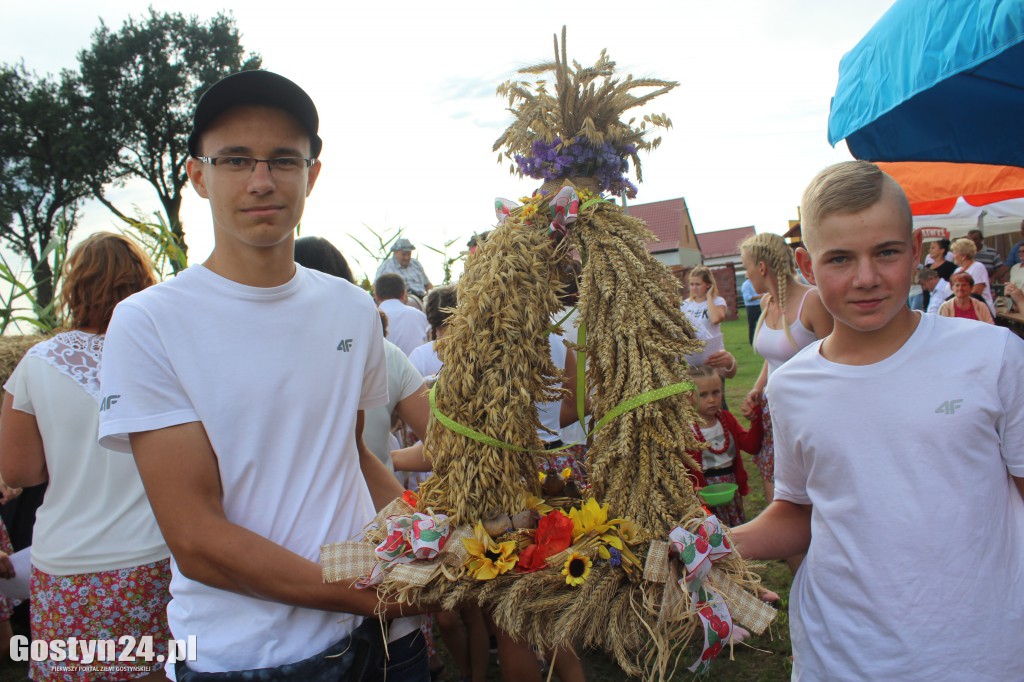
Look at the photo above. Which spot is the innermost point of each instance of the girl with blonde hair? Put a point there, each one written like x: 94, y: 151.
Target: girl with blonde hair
x: 792, y: 317
x: 706, y: 310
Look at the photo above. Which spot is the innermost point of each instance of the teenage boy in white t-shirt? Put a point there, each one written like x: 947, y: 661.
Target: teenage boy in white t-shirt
x: 241, y: 384
x: 904, y: 486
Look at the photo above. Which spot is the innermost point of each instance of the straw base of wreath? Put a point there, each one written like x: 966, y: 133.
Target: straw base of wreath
x: 644, y: 619
x: 631, y: 619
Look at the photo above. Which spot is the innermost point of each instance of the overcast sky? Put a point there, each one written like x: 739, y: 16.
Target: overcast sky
x: 408, y: 112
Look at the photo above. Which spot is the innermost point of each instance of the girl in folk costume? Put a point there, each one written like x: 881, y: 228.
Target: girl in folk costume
x: 792, y: 317
x: 720, y: 461
x: 723, y: 438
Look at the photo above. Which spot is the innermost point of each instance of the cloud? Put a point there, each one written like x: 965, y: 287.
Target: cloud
x: 469, y: 88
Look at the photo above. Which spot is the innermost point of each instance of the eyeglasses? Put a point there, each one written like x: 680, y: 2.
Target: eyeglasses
x: 240, y: 164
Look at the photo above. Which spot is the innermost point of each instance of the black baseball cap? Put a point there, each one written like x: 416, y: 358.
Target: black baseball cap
x: 255, y: 87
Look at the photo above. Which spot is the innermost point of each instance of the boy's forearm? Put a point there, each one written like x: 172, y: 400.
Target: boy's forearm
x: 243, y: 562
x: 781, y: 531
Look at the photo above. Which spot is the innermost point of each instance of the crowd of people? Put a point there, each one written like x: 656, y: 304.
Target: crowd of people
x: 980, y: 270
x: 203, y: 437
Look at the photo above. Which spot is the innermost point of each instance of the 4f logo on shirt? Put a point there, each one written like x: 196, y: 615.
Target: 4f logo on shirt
x: 949, y: 407
x: 345, y: 345
x: 108, y: 402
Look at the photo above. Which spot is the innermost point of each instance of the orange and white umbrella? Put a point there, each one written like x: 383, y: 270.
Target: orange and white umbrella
x: 960, y: 196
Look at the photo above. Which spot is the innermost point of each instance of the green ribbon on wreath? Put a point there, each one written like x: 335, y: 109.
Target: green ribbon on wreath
x: 620, y: 409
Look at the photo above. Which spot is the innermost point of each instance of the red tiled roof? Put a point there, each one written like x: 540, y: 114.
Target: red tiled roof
x: 665, y: 219
x: 723, y: 242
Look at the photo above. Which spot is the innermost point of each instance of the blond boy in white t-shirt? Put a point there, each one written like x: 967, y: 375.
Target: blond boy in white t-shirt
x: 905, y: 489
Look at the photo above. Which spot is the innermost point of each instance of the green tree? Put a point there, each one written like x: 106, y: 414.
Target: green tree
x: 48, y: 162
x: 142, y: 83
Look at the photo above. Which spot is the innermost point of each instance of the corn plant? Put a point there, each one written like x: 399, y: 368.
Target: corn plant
x: 19, y: 302
x: 447, y: 261
x: 159, y: 242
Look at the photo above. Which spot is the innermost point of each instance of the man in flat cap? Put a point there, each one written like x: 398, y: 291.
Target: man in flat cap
x: 240, y: 385
x: 401, y: 262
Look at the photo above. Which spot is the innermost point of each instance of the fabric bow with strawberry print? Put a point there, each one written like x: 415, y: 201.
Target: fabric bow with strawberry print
x: 697, y: 552
x: 565, y: 208
x: 411, y: 537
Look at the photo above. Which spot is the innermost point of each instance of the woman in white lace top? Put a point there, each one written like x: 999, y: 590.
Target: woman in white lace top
x: 100, y: 567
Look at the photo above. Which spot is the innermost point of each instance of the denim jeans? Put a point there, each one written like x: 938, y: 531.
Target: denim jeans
x: 357, y: 658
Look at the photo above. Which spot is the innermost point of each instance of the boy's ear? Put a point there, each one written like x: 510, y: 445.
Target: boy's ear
x: 916, y: 237
x: 194, y: 168
x: 803, y: 261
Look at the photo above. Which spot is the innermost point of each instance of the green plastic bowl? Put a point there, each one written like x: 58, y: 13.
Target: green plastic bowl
x: 719, y: 493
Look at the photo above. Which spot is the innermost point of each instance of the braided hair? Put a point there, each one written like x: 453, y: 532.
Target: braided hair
x: 440, y: 305
x: 772, y: 250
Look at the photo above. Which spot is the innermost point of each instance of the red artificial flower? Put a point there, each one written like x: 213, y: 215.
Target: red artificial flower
x: 530, y: 560
x: 554, y: 534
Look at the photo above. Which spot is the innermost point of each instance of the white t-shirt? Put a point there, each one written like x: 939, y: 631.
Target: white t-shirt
x: 403, y: 381
x: 279, y: 408
x: 407, y: 327
x: 550, y: 413
x: 1017, y: 279
x: 698, y: 314
x: 710, y: 334
x: 573, y: 433
x: 569, y: 317
x: 424, y: 359
x: 714, y: 436
x: 96, y: 516
x: 916, y: 564
x: 938, y: 296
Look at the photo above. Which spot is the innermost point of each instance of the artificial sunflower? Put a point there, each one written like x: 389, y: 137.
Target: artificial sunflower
x: 590, y: 517
x: 537, y: 504
x: 576, y: 569
x: 488, y: 559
